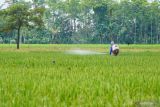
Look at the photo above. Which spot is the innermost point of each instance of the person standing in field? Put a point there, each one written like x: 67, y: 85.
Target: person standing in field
x: 112, y: 43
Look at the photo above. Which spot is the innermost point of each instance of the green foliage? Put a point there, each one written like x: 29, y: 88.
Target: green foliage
x: 87, y: 21
x: 21, y: 14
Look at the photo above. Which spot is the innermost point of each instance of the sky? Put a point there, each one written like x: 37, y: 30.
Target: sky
x: 6, y: 5
x: 1, y: 1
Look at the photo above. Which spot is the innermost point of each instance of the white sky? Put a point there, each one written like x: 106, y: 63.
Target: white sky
x: 1, y: 1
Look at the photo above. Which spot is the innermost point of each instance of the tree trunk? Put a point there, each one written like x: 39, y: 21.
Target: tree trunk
x: 18, y: 38
x: 141, y: 37
x: 151, y: 30
x: 158, y: 35
x: 135, y: 31
x: 52, y: 38
x: 74, y: 24
x: 101, y: 38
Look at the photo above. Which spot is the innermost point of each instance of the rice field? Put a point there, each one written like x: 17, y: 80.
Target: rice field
x: 45, y: 76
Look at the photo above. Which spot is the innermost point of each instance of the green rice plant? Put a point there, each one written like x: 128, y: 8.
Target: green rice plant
x: 44, y: 75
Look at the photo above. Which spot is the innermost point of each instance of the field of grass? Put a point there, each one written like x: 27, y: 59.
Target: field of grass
x: 44, y: 76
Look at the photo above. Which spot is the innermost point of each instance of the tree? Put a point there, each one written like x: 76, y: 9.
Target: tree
x: 21, y: 15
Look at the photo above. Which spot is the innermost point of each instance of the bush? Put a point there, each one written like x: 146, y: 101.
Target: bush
x: 1, y: 40
x: 12, y: 41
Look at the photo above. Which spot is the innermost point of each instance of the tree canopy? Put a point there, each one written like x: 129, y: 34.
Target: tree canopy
x: 82, y: 21
x: 21, y: 15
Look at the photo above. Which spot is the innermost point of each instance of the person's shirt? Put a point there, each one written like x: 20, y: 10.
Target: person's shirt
x: 112, y: 43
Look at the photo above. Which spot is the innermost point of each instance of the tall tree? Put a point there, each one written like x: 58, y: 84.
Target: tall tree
x: 21, y: 15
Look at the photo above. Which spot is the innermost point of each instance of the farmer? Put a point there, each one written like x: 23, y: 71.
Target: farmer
x: 112, y: 43
x: 114, y: 49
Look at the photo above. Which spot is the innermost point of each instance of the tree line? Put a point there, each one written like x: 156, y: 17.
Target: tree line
x: 81, y: 21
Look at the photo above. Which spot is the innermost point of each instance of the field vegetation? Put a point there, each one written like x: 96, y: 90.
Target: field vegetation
x: 45, y: 76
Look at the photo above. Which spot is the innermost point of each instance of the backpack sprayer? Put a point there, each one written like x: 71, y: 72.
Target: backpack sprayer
x: 114, y: 50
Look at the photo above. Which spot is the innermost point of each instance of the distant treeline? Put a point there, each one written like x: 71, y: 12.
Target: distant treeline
x: 88, y: 21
